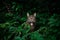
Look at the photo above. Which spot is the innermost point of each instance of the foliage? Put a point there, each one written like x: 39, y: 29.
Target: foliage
x: 13, y: 21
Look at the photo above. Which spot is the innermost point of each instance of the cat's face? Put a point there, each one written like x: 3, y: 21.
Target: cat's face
x: 31, y: 18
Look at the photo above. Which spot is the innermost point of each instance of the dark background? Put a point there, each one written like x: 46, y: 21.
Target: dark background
x: 13, y: 16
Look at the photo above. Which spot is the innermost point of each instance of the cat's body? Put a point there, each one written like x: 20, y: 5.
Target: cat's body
x: 31, y: 20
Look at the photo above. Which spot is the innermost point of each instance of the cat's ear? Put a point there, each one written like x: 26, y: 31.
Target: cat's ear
x: 27, y: 14
x: 35, y: 14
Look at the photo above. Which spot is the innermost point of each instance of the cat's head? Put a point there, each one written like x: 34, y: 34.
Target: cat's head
x: 31, y: 18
